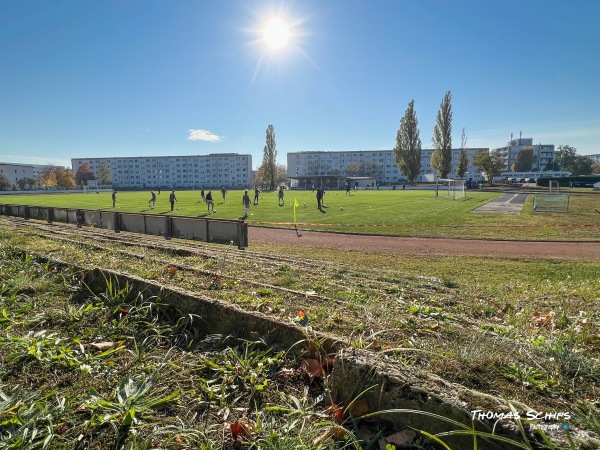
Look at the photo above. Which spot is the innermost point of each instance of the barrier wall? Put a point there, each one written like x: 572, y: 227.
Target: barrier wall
x: 192, y: 228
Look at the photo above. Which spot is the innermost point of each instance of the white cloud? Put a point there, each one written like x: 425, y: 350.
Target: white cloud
x: 203, y: 135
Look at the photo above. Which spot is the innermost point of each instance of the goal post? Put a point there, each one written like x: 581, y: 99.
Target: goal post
x: 450, y: 188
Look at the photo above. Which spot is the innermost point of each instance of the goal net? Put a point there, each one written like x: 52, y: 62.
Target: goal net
x: 450, y: 188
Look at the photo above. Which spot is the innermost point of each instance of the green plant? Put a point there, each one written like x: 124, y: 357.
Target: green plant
x: 134, y: 402
x: 529, y: 377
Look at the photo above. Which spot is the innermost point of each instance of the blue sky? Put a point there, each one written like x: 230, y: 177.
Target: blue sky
x: 82, y: 78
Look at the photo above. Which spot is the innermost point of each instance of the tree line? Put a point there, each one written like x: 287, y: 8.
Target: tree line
x: 407, y: 151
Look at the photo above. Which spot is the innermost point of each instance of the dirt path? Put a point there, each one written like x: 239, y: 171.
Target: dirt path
x: 588, y: 251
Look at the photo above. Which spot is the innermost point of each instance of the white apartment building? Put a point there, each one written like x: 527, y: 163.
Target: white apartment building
x: 14, y: 172
x: 150, y: 172
x: 322, y: 163
x: 595, y: 157
x: 543, y: 154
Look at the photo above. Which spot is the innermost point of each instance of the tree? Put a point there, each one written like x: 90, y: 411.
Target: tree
x: 47, y: 176
x: 490, y: 164
x: 26, y: 182
x: 441, y: 158
x: 280, y: 174
x: 596, y: 167
x: 83, y: 175
x: 564, y: 156
x: 269, y: 163
x: 463, y: 159
x: 568, y: 159
x: 313, y: 167
x: 581, y: 165
x: 554, y: 165
x: 463, y: 163
x: 105, y: 173
x: 4, y: 183
x: 407, y: 151
x: 368, y: 168
x: 351, y: 169
x: 523, y: 160
x: 64, y: 178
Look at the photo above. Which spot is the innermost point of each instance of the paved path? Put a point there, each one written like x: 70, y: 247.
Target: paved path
x: 505, y: 204
x: 588, y: 251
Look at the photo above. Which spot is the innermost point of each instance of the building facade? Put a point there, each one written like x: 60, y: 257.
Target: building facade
x: 380, y: 164
x: 543, y: 154
x: 594, y: 158
x: 170, y: 172
x: 15, y: 173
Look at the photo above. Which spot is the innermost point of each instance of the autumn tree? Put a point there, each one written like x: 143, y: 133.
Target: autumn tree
x: 269, y: 164
x: 64, y: 178
x: 441, y: 158
x: 47, y: 176
x: 523, y: 160
x: 596, y: 167
x: 463, y: 159
x: 105, y: 173
x: 83, y: 175
x: 490, y: 164
x: 407, y: 151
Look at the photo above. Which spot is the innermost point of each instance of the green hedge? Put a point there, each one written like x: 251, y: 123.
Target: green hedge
x: 566, y: 181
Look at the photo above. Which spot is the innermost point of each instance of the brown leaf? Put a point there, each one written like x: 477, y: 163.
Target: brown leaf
x: 240, y: 428
x: 359, y: 407
x: 312, y: 369
x: 401, y: 438
x: 336, y: 413
x: 102, y: 346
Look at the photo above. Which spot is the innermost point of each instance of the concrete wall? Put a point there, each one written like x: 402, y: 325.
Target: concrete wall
x: 192, y: 228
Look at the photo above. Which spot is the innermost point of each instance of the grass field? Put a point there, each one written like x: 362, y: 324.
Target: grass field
x: 522, y: 330
x: 403, y: 213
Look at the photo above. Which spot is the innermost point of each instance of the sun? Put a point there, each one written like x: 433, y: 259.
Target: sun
x: 276, y: 33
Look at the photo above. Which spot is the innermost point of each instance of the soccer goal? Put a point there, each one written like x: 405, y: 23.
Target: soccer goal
x: 450, y: 188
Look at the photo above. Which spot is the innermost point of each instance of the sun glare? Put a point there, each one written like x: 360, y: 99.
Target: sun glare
x: 276, y: 33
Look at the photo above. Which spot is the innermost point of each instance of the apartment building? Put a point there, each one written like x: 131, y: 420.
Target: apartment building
x: 175, y: 172
x: 15, y: 172
x: 594, y: 158
x: 322, y: 163
x: 543, y: 154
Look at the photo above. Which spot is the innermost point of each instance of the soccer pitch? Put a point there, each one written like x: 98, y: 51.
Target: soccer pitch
x: 390, y: 212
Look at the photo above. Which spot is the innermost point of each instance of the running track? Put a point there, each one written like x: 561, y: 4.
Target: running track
x: 587, y: 251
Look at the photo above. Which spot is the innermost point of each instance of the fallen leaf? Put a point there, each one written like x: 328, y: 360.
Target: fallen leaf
x: 240, y: 428
x: 359, y: 407
x: 336, y: 413
x: 312, y: 369
x: 401, y: 438
x: 102, y: 346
